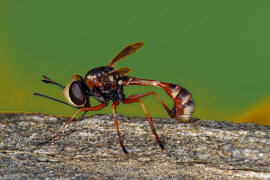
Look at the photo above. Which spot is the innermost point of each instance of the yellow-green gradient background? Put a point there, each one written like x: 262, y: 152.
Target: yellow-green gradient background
x: 218, y: 50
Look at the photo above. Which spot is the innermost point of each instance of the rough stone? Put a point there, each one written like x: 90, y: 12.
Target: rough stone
x: 89, y: 149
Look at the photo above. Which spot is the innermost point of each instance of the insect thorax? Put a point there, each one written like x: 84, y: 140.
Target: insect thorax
x: 104, y: 85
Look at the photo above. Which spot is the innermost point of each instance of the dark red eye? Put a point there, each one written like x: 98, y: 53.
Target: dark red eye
x: 76, y: 93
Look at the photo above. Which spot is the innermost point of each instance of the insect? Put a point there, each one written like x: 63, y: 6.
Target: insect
x: 107, y: 84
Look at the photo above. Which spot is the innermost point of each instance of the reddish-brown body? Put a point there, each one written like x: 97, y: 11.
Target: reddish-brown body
x: 183, y: 103
x: 106, y: 84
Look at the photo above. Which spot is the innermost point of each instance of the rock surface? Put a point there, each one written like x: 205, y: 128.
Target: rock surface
x: 89, y: 149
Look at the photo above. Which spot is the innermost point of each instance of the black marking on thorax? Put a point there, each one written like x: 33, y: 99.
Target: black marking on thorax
x: 106, y: 86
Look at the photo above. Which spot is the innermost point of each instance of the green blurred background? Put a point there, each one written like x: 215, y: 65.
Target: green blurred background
x: 218, y: 50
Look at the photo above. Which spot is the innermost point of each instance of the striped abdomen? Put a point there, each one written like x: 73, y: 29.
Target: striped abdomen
x: 183, y: 103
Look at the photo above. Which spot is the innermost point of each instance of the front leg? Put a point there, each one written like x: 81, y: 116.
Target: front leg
x: 85, y: 109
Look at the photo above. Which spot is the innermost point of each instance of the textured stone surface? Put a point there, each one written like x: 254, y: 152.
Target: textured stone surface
x: 89, y: 149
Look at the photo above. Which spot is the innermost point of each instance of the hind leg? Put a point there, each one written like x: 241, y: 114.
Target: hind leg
x: 137, y: 98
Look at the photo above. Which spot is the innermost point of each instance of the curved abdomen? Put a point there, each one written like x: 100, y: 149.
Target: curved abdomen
x: 183, y: 105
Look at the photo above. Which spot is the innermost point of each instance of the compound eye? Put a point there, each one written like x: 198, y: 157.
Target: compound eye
x: 76, y: 93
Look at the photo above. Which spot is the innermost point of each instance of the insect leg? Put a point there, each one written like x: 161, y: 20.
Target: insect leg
x: 86, y: 109
x: 117, y: 126
x: 136, y: 98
